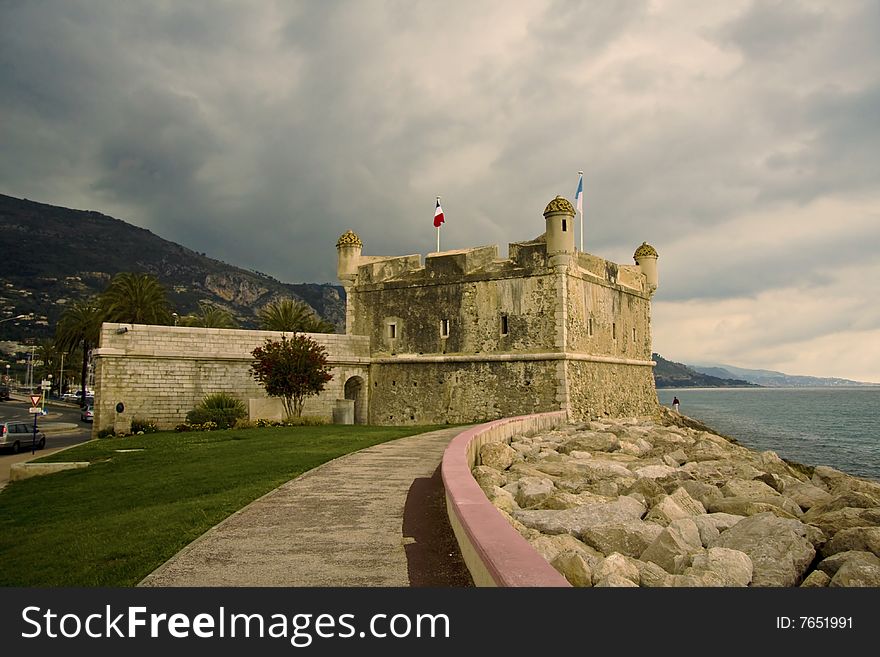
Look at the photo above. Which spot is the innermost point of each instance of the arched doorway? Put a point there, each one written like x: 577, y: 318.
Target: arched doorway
x: 356, y: 390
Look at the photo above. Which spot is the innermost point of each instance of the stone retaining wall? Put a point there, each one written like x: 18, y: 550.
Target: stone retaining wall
x: 495, y: 553
x: 160, y: 373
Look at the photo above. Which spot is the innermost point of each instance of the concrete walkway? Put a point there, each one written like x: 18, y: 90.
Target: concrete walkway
x: 372, y: 518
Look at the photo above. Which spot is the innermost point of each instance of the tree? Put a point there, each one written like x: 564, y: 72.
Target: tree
x: 80, y: 327
x: 294, y: 316
x: 209, y: 316
x: 135, y: 299
x: 292, y: 369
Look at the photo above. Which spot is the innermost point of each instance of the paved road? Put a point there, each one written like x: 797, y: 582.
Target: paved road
x: 61, y: 425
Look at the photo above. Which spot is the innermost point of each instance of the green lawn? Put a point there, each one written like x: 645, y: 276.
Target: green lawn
x: 114, y: 522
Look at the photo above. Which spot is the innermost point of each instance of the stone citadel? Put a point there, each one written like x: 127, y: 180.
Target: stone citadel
x: 464, y: 337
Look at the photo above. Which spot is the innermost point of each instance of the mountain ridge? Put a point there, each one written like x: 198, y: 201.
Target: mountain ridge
x: 774, y: 379
x: 68, y: 254
x: 669, y: 374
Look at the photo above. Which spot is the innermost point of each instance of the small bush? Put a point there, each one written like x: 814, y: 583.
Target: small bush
x: 183, y: 426
x: 220, y: 409
x: 106, y: 433
x: 139, y: 426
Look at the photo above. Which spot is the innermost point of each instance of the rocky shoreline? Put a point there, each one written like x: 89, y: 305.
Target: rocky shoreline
x: 672, y: 503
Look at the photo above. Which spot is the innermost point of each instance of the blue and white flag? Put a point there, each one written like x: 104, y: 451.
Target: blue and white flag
x: 579, y: 195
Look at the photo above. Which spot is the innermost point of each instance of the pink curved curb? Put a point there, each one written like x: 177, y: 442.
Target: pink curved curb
x: 495, y: 553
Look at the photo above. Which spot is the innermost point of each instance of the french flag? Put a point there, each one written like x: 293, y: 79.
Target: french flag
x: 438, y: 215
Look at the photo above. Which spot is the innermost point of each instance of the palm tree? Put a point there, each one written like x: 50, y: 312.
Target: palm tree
x: 135, y: 299
x: 80, y: 327
x: 209, y: 316
x: 294, y: 316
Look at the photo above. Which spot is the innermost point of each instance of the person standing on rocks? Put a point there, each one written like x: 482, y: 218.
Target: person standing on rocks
x: 675, y: 404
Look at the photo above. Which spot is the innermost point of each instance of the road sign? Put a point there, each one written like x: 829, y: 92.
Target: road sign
x: 46, y: 385
x: 35, y: 410
x: 35, y: 399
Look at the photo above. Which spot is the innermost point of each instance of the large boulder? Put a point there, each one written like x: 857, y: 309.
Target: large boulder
x: 550, y: 547
x: 866, y: 539
x: 614, y: 580
x: 753, y: 489
x: 770, y: 462
x: 707, y: 450
x: 673, y: 547
x: 574, y: 568
x: 575, y: 521
x: 672, y: 507
x: 859, y: 570
x: 778, y: 547
x: 837, y: 482
x: 675, y: 458
x: 651, y: 575
x: 830, y: 565
x: 591, y: 441
x: 704, y: 493
x: 720, y: 471
x: 648, y: 488
x: 654, y: 471
x: 639, y: 447
x: 627, y: 537
x: 743, y: 506
x: 845, y: 500
x: 816, y: 580
x: 712, y: 524
x: 498, y: 455
x: 487, y: 478
x: 616, y: 564
x: 805, y: 495
x: 732, y: 566
x: 502, y: 499
x: 531, y: 491
x: 562, y: 499
x: 846, y: 518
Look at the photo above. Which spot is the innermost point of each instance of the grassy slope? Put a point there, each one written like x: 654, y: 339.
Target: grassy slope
x: 114, y: 522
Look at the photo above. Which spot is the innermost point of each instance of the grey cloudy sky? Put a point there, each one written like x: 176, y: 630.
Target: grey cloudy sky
x: 740, y: 138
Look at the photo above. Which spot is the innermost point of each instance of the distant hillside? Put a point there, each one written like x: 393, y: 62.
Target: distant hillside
x: 668, y: 374
x: 771, y: 379
x: 52, y: 256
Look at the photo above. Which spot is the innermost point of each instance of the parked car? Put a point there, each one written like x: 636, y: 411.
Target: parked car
x: 87, y: 414
x: 77, y: 395
x: 19, y: 435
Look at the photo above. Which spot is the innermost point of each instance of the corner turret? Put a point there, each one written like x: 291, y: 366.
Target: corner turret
x: 559, y: 215
x: 646, y: 258
x: 349, y: 247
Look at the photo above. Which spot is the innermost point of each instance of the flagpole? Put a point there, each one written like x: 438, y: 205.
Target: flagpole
x: 581, y: 174
x: 438, y: 231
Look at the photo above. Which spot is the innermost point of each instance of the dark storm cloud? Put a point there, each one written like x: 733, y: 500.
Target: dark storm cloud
x: 257, y: 133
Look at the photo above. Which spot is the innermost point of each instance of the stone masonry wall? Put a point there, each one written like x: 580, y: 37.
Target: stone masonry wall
x: 161, y: 372
x: 473, y: 307
x: 615, y: 312
x: 460, y: 392
x: 598, y: 390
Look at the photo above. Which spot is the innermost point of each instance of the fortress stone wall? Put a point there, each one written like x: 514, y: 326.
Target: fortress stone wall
x: 465, y: 336
x: 160, y: 373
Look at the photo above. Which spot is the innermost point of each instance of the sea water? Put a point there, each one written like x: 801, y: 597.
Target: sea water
x: 838, y: 427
